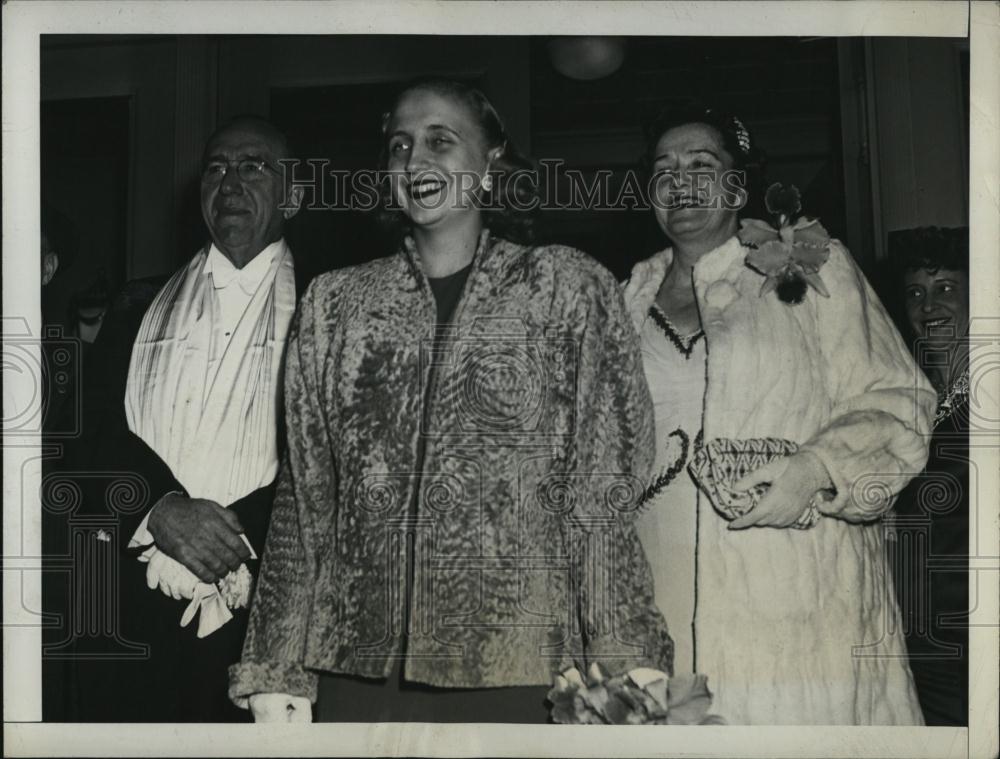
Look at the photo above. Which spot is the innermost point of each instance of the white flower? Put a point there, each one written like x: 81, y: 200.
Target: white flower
x: 235, y: 588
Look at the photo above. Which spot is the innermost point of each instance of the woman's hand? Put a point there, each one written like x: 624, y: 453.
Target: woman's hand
x: 794, y: 481
x: 280, y: 707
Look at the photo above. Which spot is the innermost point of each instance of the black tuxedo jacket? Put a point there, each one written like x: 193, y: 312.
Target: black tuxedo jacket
x: 135, y: 662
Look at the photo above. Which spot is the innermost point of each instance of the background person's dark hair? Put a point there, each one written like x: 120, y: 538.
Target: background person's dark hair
x: 747, y: 158
x: 930, y: 249
x: 510, y: 208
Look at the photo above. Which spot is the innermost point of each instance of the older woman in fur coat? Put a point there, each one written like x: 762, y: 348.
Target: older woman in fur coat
x: 788, y: 608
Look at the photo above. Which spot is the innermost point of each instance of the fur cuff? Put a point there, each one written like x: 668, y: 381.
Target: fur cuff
x: 249, y: 677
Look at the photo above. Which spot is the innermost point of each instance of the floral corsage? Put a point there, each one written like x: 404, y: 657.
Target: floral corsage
x: 215, y: 602
x: 235, y: 588
x: 790, y: 256
x: 640, y: 697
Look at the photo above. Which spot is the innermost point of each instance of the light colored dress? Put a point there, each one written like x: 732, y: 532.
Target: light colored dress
x: 675, y: 369
x: 801, y: 627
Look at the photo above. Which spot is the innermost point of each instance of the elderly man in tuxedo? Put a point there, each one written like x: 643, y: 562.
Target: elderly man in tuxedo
x: 197, y: 415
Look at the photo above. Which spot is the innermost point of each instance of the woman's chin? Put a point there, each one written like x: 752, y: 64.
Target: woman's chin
x: 691, y: 227
x: 436, y: 218
x: 425, y: 217
x: 940, y: 342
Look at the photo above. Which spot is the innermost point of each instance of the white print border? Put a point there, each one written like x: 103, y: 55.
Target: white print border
x: 24, y: 21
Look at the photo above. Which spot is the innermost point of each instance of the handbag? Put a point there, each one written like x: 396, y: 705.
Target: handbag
x: 721, y: 462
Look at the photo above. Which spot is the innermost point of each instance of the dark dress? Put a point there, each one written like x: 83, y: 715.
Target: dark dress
x: 931, y: 570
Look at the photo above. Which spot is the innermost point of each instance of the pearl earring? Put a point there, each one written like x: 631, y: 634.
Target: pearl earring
x: 487, y: 183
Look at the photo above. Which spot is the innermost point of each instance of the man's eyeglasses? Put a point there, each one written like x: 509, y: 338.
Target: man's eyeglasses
x: 249, y: 170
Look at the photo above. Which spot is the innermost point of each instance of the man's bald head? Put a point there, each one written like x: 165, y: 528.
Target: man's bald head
x: 259, y: 125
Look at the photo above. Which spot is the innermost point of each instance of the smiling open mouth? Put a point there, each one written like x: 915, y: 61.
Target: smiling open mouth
x: 939, y: 322
x: 425, y: 188
x: 687, y: 201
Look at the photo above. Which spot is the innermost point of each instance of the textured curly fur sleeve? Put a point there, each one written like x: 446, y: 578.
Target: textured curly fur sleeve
x: 622, y: 626
x: 273, y: 652
x: 878, y: 436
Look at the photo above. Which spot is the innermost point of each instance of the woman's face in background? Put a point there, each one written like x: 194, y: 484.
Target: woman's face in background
x: 937, y: 304
x: 436, y: 157
x: 697, y: 192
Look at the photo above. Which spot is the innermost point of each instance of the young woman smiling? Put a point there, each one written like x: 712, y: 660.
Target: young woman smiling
x: 468, y: 432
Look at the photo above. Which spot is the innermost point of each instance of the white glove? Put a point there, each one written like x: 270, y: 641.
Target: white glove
x: 280, y: 707
x: 172, y: 577
x: 212, y: 600
x: 212, y: 607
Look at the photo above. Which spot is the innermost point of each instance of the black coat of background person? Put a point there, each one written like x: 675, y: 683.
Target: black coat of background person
x: 934, y: 590
x: 119, y: 653
x: 931, y: 566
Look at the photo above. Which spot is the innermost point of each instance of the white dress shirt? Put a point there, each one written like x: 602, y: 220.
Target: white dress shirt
x: 235, y: 288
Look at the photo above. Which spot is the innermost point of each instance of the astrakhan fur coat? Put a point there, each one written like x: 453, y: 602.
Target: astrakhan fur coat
x: 498, y: 464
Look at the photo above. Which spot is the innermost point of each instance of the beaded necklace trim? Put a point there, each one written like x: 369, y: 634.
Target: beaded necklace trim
x: 683, y: 344
x: 667, y: 476
x: 954, y: 397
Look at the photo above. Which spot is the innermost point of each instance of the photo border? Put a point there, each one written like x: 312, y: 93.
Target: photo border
x: 25, y: 21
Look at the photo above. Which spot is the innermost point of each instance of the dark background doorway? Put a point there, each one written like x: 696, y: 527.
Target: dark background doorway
x: 849, y: 121
x: 85, y: 180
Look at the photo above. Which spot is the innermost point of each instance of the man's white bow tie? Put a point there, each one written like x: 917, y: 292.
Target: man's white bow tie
x: 223, y: 277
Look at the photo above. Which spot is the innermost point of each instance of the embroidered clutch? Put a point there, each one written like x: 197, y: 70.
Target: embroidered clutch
x: 721, y: 462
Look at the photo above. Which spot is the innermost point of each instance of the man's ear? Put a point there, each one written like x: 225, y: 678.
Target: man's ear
x: 50, y: 263
x: 292, y: 202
